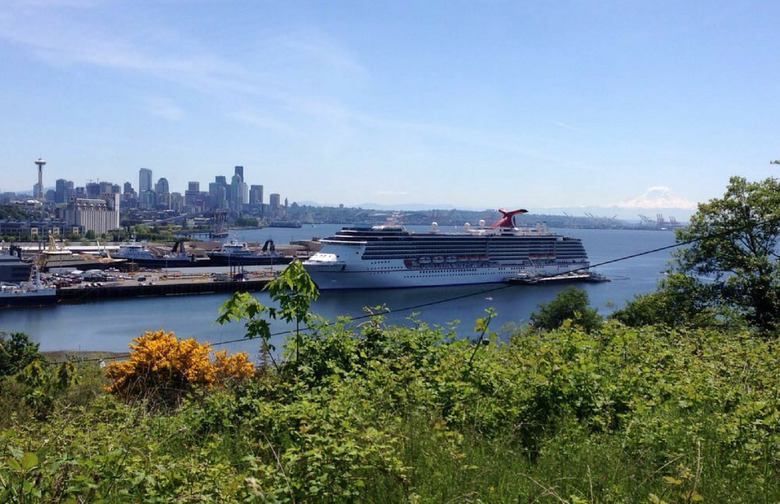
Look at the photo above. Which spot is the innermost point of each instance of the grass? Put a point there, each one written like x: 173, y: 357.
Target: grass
x: 619, y: 415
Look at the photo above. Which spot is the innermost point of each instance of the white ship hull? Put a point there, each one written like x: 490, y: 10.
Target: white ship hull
x: 329, y: 277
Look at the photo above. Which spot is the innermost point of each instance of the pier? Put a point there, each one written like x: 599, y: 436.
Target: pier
x: 578, y: 276
x: 158, y: 286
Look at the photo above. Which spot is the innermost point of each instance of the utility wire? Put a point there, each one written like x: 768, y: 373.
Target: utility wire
x: 485, y: 291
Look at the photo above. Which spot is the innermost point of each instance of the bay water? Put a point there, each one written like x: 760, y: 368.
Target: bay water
x: 111, y: 325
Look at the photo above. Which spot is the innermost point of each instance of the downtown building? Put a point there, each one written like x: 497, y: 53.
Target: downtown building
x: 99, y: 215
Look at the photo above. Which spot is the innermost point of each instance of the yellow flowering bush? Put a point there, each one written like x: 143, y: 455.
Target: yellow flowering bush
x: 162, y: 369
x: 233, y: 367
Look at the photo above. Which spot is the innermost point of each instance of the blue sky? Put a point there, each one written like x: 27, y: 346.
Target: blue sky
x: 459, y: 103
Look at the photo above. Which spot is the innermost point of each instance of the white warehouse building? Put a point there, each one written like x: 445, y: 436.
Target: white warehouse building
x: 98, y: 215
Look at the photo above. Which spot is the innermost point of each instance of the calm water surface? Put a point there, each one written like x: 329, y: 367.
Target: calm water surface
x: 110, y: 325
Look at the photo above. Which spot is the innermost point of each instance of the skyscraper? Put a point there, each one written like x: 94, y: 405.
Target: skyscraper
x: 144, y: 180
x: 192, y: 194
x: 162, y: 187
x: 238, y: 192
x: 256, y: 195
x: 240, y: 172
x: 63, y: 191
x: 274, y: 201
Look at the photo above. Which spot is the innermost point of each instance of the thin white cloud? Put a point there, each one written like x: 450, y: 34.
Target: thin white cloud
x: 163, y: 107
x: 323, y: 50
x: 180, y: 58
x: 262, y: 121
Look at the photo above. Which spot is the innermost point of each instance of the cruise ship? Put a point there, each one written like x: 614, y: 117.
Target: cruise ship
x: 390, y: 256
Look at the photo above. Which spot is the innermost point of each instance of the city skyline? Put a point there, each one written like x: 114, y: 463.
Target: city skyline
x: 467, y: 104
x: 234, y: 195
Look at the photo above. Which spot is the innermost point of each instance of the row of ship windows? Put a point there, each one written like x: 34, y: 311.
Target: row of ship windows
x: 492, y: 255
x: 446, y: 271
x: 475, y: 243
x: 475, y: 250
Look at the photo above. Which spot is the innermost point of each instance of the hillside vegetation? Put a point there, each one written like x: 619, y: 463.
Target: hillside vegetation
x: 409, y: 414
x: 672, y: 399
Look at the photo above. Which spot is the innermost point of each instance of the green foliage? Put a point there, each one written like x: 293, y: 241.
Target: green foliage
x: 16, y: 352
x: 246, y: 221
x: 570, y: 304
x: 375, y: 413
x: 680, y: 300
x: 413, y: 414
x: 15, y: 212
x: 292, y: 291
x: 734, y: 246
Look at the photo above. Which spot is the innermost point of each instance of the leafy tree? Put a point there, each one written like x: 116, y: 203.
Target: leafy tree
x: 89, y: 235
x: 734, y: 248
x: 570, y: 304
x: 16, y: 352
x: 293, y: 290
x: 246, y: 221
x: 679, y: 300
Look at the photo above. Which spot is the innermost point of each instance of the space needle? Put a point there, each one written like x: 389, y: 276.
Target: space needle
x: 39, y: 188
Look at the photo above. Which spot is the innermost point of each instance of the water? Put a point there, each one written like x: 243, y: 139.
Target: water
x: 110, y: 325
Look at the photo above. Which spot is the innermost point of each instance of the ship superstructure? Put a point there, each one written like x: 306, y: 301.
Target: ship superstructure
x: 391, y: 256
x: 139, y: 253
x: 236, y: 253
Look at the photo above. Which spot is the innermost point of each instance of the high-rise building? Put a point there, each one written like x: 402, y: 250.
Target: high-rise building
x: 238, y: 192
x: 177, y: 201
x: 256, y: 195
x: 163, y: 194
x: 63, y: 191
x: 106, y: 189
x: 93, y: 190
x: 239, y: 170
x: 218, y: 192
x: 192, y: 194
x: 274, y: 201
x: 218, y: 196
x: 162, y: 186
x: 144, y: 180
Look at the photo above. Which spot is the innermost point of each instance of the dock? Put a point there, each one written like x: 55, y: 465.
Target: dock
x: 578, y: 276
x: 158, y: 286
